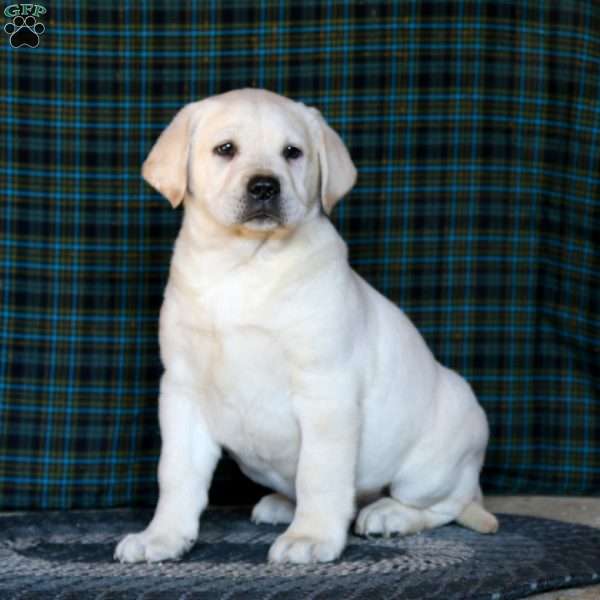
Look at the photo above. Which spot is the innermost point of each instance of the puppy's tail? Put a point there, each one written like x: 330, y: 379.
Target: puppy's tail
x: 477, y: 518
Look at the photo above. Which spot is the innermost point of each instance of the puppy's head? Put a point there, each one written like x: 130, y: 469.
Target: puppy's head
x: 252, y: 159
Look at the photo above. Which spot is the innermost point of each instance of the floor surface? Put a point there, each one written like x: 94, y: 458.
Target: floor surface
x: 573, y: 509
x: 585, y: 510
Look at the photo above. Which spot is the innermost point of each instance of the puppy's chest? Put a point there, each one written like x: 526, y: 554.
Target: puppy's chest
x: 246, y: 384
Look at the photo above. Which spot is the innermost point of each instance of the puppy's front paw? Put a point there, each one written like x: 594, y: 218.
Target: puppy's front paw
x: 152, y: 546
x: 273, y: 509
x: 293, y: 548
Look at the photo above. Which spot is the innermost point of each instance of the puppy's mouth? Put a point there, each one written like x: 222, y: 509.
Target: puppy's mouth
x: 262, y: 214
x: 262, y: 217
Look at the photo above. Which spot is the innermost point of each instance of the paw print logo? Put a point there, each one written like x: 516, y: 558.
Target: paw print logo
x: 24, y: 31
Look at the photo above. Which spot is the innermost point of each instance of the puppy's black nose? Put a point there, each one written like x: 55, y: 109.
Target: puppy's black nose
x: 262, y: 188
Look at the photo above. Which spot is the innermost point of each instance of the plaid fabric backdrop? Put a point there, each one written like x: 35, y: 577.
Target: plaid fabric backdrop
x: 475, y: 129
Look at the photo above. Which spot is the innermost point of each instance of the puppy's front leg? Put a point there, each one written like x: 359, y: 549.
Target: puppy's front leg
x: 325, y: 482
x: 187, y: 460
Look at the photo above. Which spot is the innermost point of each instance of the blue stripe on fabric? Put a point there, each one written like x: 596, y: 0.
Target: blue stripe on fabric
x: 73, y: 359
x: 514, y: 420
x: 528, y: 467
x: 516, y: 378
x: 559, y: 445
x: 79, y: 337
x: 119, y: 386
x: 559, y: 244
x: 55, y: 266
x: 76, y: 317
x: 279, y: 88
x: 453, y: 188
x: 491, y: 258
x: 79, y: 482
x: 83, y: 245
x: 319, y: 50
x: 331, y: 27
x: 262, y: 50
x: 81, y: 388
x: 66, y: 124
x: 513, y: 331
x: 334, y: 97
x: 142, y: 287
x: 47, y: 431
x: 101, y: 460
x: 427, y: 188
x: 102, y: 339
x: 591, y: 200
x: 391, y: 143
x: 473, y: 193
x: 345, y: 84
x: 464, y: 307
x: 212, y: 64
x: 6, y: 206
x: 376, y: 169
x: 533, y: 226
x: 582, y: 77
x: 589, y: 252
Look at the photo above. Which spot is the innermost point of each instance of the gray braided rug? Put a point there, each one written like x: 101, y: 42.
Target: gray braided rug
x: 69, y: 556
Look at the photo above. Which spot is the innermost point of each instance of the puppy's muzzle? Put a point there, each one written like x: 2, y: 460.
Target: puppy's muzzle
x: 262, y: 199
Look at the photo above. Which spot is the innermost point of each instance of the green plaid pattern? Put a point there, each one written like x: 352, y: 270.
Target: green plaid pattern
x: 475, y: 129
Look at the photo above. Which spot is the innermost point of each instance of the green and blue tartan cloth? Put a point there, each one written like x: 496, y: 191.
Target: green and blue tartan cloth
x: 475, y: 127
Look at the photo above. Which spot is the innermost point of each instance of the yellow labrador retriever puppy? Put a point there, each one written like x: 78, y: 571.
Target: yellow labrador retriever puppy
x: 276, y: 350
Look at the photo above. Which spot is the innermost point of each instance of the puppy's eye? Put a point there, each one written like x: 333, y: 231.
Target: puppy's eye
x: 291, y: 153
x: 227, y: 149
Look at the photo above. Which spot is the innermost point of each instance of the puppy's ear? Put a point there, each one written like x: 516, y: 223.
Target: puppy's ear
x: 338, y: 172
x: 165, y: 168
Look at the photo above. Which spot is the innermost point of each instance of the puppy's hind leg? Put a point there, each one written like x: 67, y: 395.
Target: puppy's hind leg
x: 394, y: 515
x: 388, y: 516
x: 475, y: 517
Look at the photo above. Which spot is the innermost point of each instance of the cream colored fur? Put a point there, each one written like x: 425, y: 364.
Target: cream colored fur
x: 277, y: 351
